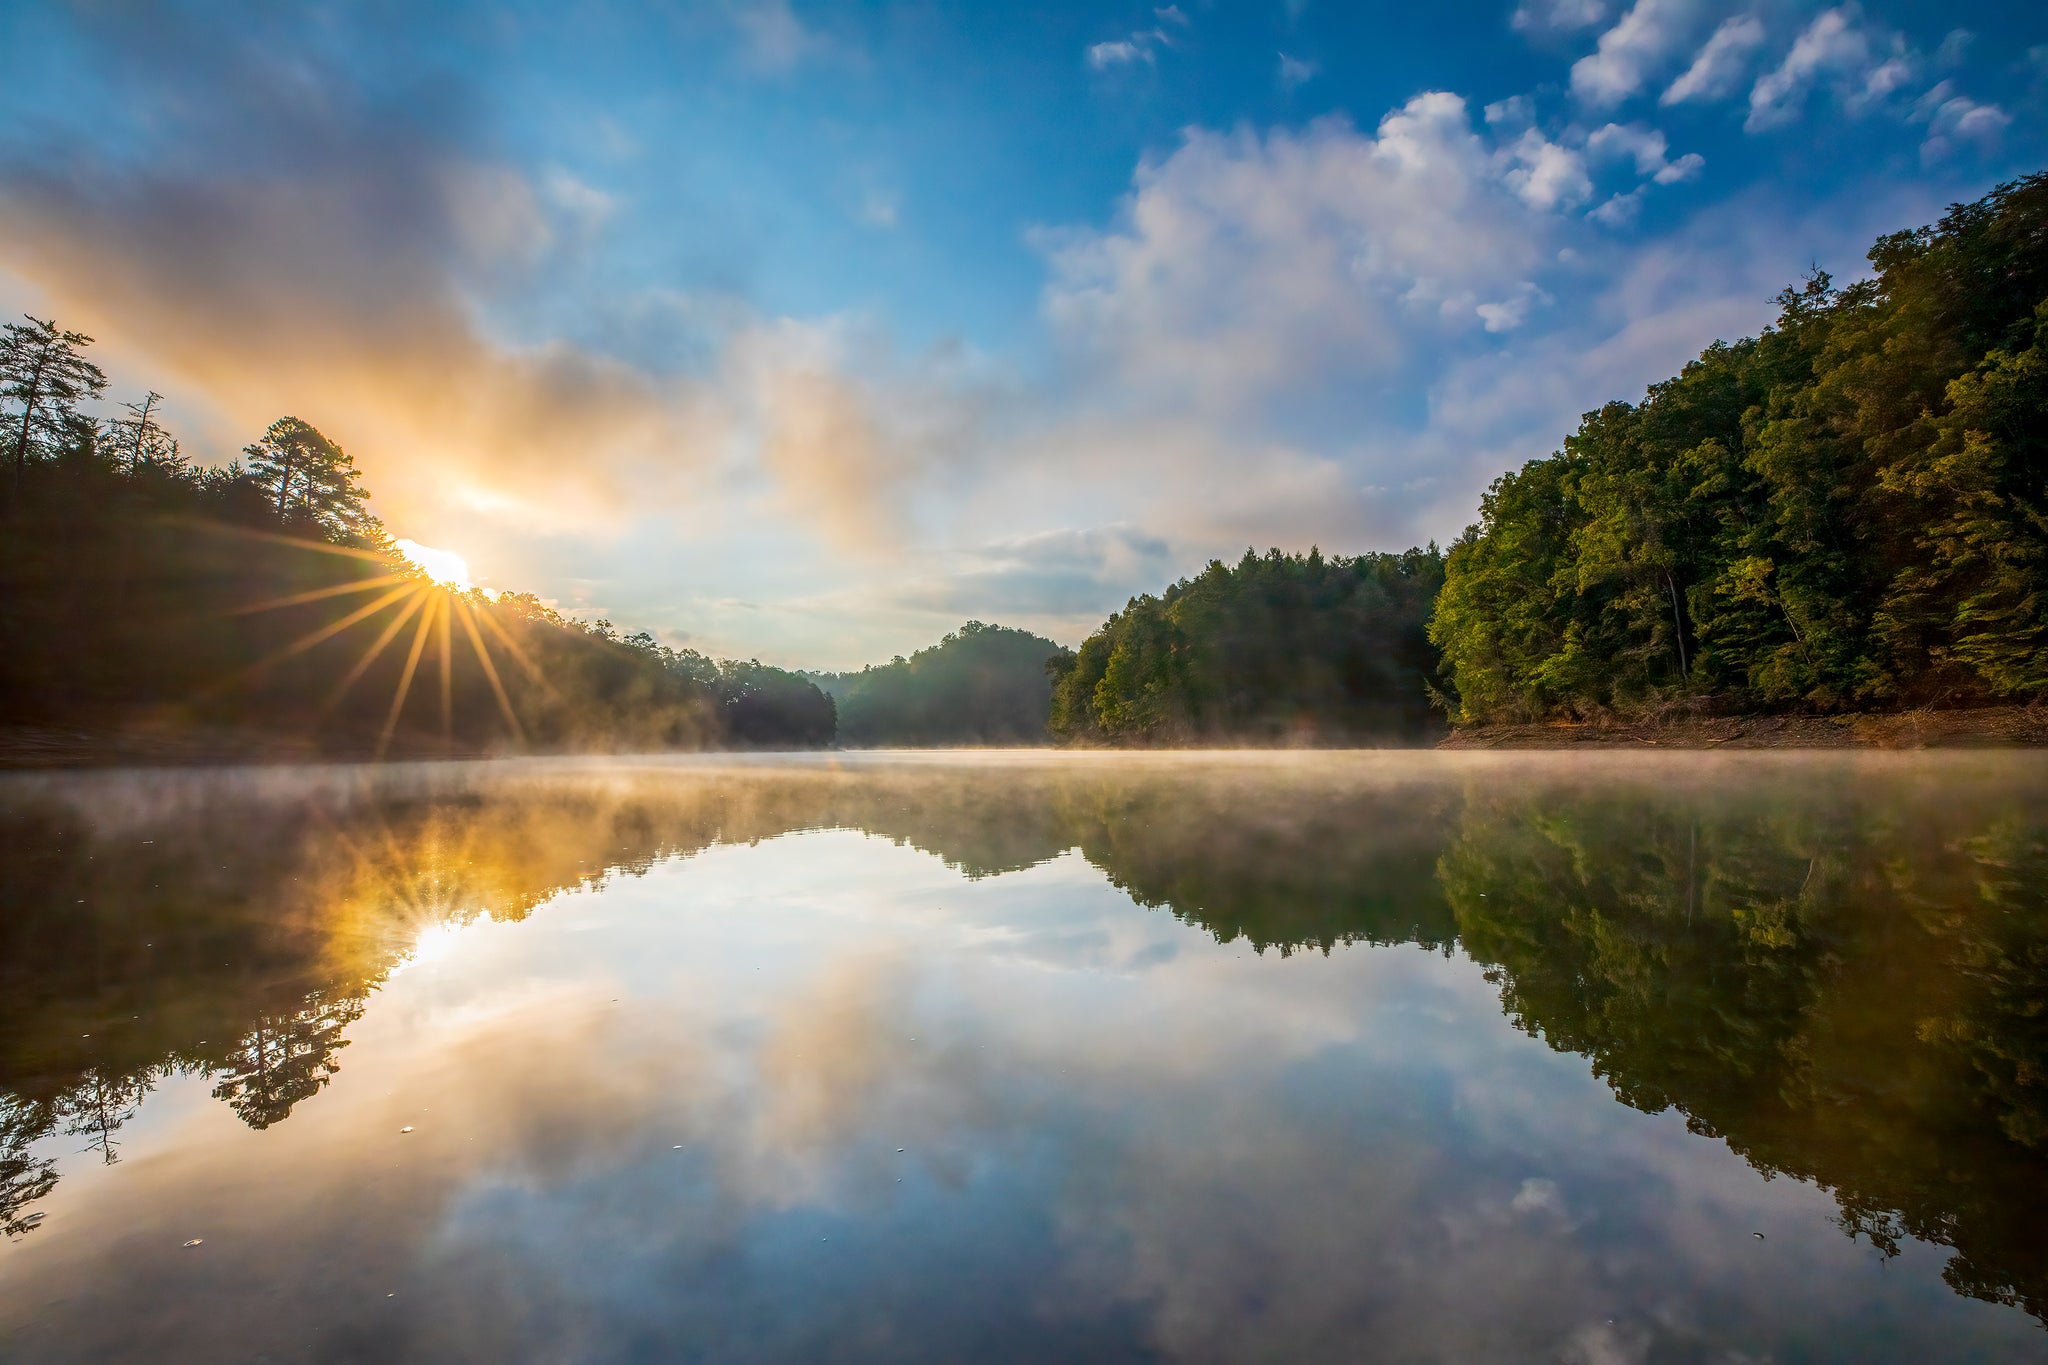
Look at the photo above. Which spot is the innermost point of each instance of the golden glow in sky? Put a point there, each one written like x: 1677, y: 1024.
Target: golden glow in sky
x: 443, y: 566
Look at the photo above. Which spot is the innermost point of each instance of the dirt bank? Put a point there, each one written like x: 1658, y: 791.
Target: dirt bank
x: 1983, y: 727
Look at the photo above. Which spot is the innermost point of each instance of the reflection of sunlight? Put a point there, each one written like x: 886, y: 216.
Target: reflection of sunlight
x: 435, y: 942
x: 443, y: 566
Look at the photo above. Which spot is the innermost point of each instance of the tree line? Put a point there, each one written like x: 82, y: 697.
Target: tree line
x: 1847, y: 512
x: 1275, y: 648
x: 140, y: 591
x: 979, y: 685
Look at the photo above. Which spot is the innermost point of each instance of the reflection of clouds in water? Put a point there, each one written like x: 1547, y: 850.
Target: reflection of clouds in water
x: 1260, y: 1158
x: 1116, y: 1127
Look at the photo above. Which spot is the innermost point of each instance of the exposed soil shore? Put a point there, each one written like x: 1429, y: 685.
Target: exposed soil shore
x: 1981, y: 727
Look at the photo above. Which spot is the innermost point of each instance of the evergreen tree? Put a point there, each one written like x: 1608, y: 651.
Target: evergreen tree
x: 44, y: 373
x: 139, y: 441
x: 311, y: 480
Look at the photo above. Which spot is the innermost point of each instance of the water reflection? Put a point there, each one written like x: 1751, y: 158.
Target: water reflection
x: 1835, y: 968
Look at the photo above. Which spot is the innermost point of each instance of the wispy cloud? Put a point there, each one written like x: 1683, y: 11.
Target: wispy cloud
x: 1119, y: 52
x: 1720, y: 64
x: 1295, y: 73
x: 1863, y: 67
x: 1141, y: 47
x: 1557, y: 16
x: 775, y: 38
x: 1647, y: 148
x: 1630, y: 52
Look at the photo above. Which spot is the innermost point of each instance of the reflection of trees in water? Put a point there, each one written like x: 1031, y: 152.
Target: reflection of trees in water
x: 1844, y: 990
x: 1277, y: 863
x: 285, y: 1059
x: 98, y: 1106
x: 24, y: 1176
x: 1844, y: 983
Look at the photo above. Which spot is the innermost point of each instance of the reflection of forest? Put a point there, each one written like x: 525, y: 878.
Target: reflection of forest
x: 1842, y: 979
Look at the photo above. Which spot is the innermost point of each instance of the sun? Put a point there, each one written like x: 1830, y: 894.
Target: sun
x: 443, y: 566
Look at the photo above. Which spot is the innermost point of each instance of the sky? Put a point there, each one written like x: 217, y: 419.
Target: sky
x: 806, y: 332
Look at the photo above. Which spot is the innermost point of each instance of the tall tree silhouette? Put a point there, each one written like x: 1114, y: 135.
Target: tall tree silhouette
x: 310, y: 479
x: 140, y: 440
x: 42, y: 369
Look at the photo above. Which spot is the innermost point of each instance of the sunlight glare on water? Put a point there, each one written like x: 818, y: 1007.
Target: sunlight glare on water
x: 1029, y: 1057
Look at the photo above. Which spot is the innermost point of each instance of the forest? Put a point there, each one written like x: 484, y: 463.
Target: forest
x: 1846, y: 512
x: 1278, y: 648
x: 142, y: 594
x: 979, y: 685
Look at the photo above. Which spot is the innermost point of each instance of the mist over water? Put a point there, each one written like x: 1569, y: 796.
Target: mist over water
x: 1404, y: 1056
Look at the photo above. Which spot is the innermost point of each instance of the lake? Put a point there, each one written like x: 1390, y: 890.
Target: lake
x: 1030, y: 1056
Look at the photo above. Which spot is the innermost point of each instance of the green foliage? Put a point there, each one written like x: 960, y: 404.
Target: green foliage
x: 141, y: 594
x: 1276, y: 648
x: 1846, y: 511
x: 981, y: 684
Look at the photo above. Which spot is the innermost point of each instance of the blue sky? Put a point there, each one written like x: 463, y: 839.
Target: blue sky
x: 808, y: 331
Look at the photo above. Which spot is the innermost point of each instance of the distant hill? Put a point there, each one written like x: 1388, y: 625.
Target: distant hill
x: 982, y: 684
x: 1276, y: 649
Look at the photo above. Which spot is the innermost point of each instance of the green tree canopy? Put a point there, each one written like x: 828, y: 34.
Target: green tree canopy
x: 1275, y: 648
x: 981, y: 684
x: 1848, y: 511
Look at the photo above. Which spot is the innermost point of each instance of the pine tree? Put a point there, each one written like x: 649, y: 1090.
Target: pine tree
x: 139, y: 441
x: 309, y: 479
x: 42, y: 369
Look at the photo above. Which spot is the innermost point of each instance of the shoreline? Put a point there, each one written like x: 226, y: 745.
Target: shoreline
x: 52, y: 747
x: 1987, y: 727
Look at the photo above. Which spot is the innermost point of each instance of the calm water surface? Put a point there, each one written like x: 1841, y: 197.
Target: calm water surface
x: 1027, y: 1057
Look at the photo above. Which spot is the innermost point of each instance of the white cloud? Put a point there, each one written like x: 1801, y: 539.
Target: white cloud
x: 1295, y: 73
x: 1621, y: 210
x: 1721, y: 63
x: 1102, y: 56
x: 1646, y: 148
x: 1681, y: 170
x: 1516, y: 111
x: 1140, y: 47
x: 1644, y: 145
x: 1547, y: 175
x: 1834, y: 46
x: 1630, y: 51
x: 1242, y: 266
x: 1953, y: 118
x: 1557, y: 16
x: 1505, y: 315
